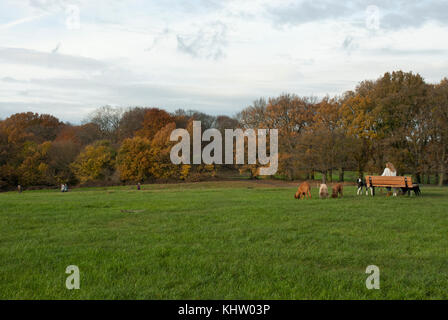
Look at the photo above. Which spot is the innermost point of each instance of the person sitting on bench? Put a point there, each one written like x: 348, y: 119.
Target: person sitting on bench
x: 390, y: 171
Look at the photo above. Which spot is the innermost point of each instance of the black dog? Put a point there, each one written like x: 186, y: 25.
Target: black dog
x: 415, y: 187
x: 362, y: 185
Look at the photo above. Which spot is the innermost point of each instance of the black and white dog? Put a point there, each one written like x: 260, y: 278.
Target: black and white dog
x: 415, y: 187
x: 363, y: 185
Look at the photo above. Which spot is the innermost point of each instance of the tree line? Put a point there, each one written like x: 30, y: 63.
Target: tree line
x: 398, y: 118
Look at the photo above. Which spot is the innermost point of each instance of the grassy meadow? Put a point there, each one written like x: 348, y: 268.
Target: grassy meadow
x: 222, y: 240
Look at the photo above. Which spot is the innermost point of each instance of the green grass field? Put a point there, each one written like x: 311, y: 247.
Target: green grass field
x: 222, y: 240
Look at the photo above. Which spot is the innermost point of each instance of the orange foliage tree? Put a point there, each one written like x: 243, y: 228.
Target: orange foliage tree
x: 154, y: 120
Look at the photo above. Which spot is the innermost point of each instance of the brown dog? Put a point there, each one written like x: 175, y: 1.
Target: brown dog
x: 303, y: 190
x: 337, y: 190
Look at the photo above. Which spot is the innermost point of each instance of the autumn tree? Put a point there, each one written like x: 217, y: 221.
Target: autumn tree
x: 23, y: 147
x: 333, y: 152
x: 5, y: 146
x: 161, y: 165
x: 225, y: 122
x: 79, y: 134
x: 33, y: 170
x: 290, y: 115
x: 59, y: 157
x: 131, y: 122
x: 134, y: 159
x: 358, y: 117
x: 316, y: 151
x: 29, y: 126
x: 95, y: 162
x: 402, y: 103
x: 154, y: 120
x: 439, y: 130
x: 390, y: 116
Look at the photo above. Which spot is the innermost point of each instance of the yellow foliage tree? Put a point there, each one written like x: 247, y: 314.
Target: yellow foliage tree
x: 96, y: 162
x: 161, y: 165
x: 134, y: 159
x: 34, y: 169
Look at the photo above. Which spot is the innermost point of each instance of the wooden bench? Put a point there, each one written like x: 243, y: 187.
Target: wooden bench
x: 393, y: 182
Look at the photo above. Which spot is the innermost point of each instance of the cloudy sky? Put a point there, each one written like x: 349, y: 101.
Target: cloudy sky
x: 67, y: 57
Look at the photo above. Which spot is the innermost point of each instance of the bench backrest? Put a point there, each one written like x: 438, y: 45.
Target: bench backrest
x: 380, y: 181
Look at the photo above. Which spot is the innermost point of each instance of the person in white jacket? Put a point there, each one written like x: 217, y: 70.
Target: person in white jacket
x: 390, y: 171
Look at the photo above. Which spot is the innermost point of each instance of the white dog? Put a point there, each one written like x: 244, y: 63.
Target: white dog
x: 323, y: 191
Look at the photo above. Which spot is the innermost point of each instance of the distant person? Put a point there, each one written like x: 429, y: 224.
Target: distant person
x: 65, y: 187
x: 19, y: 188
x: 390, y: 171
x: 139, y: 186
x: 62, y: 188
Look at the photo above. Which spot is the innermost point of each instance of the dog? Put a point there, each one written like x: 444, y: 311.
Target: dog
x: 363, y: 185
x: 323, y: 191
x: 337, y: 190
x: 303, y: 190
x: 415, y: 187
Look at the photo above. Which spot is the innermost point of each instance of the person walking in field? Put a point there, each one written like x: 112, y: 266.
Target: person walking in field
x: 139, y: 186
x: 19, y: 188
x: 390, y: 171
